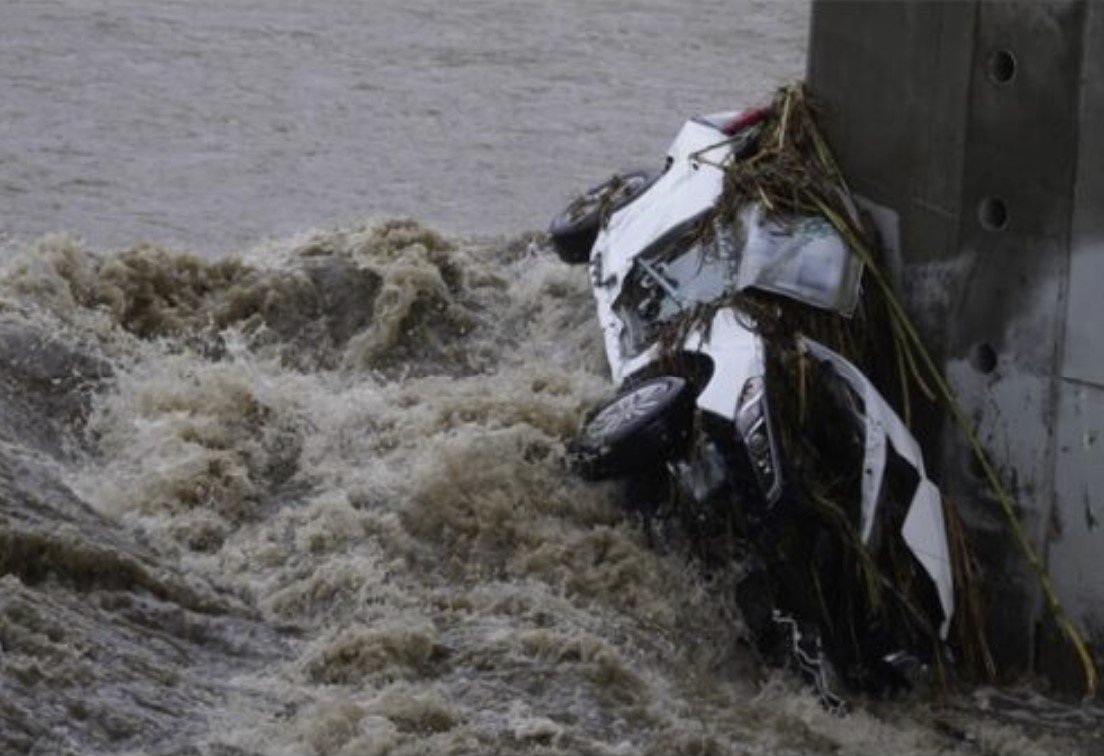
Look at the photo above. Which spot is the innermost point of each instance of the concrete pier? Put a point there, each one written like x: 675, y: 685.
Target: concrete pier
x: 979, y: 127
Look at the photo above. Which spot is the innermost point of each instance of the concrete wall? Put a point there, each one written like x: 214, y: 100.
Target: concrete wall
x: 1076, y: 546
x: 981, y: 125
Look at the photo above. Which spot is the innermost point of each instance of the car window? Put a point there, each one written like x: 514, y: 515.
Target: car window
x: 680, y: 270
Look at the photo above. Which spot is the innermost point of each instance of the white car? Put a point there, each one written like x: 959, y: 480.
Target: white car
x: 696, y: 394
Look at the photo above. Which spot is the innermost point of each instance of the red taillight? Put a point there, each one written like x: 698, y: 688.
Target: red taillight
x: 746, y: 118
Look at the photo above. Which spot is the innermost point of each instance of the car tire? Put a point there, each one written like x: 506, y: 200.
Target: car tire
x: 639, y: 427
x: 575, y: 229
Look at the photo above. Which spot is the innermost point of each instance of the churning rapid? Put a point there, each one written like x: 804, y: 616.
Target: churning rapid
x: 314, y: 501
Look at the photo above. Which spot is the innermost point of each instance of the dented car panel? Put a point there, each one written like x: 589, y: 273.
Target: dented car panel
x: 803, y: 258
x: 665, y: 283
x: 924, y: 530
x: 687, y: 189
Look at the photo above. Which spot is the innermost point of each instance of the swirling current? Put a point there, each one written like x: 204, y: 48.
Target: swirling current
x: 311, y: 498
x: 314, y: 500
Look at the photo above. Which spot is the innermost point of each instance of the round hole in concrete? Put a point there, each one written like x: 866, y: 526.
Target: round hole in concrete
x: 1002, y: 67
x: 985, y: 358
x: 993, y: 213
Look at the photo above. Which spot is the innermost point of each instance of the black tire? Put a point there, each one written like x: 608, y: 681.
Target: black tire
x: 575, y: 229
x: 636, y: 429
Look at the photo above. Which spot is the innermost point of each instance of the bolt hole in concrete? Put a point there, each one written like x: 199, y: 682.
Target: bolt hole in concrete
x: 985, y: 358
x: 993, y: 214
x: 1002, y: 67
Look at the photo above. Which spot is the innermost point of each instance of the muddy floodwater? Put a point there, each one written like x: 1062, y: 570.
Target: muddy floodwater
x: 212, y: 125
x: 280, y: 474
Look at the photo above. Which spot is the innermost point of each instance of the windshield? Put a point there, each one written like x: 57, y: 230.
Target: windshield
x: 674, y: 274
x: 800, y: 257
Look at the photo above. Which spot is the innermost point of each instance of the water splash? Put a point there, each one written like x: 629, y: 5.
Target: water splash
x: 315, y: 500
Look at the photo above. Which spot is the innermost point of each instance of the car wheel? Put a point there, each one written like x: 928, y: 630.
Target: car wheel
x: 575, y: 229
x: 639, y: 427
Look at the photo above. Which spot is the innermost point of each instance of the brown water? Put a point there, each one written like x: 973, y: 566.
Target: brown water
x: 311, y: 498
x: 212, y: 125
x: 315, y: 501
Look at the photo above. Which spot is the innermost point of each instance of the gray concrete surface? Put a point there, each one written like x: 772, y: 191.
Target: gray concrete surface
x: 978, y: 124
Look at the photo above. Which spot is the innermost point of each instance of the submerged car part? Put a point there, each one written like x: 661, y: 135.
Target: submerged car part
x: 668, y: 278
x: 702, y: 475
x: 806, y: 653
x: 638, y: 428
x: 924, y: 529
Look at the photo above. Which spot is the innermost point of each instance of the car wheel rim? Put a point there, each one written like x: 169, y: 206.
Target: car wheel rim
x: 627, y: 409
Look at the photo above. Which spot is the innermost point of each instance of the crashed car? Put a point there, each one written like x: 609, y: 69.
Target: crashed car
x: 699, y: 387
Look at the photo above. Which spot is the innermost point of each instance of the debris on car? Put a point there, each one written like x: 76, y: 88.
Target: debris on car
x: 752, y: 367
